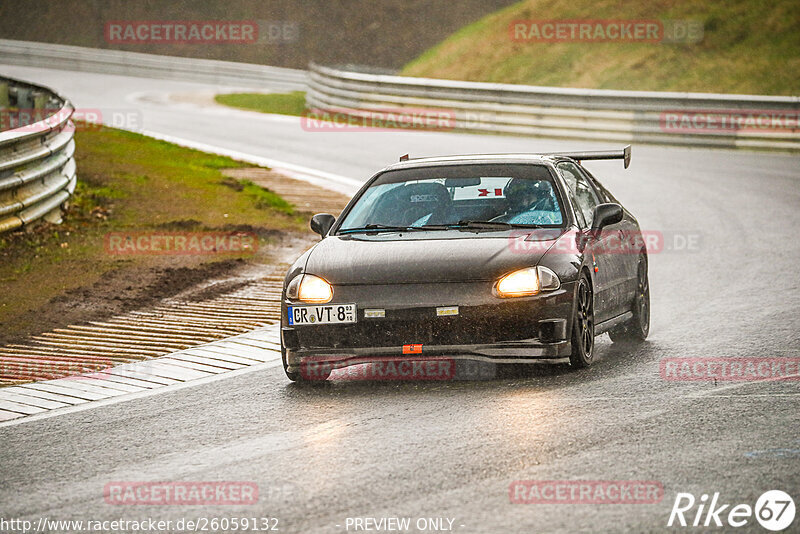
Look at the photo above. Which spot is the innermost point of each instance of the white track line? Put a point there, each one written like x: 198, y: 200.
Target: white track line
x: 327, y: 180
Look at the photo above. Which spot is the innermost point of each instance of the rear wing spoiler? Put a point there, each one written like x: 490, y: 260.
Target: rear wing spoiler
x: 624, y: 154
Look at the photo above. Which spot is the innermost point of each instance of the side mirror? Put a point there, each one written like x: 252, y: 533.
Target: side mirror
x: 605, y: 214
x: 321, y: 223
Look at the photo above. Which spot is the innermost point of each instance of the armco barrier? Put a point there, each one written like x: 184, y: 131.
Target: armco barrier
x: 603, y: 115
x: 76, y: 58
x: 37, y: 169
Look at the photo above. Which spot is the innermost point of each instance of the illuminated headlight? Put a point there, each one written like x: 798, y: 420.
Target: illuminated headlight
x: 527, y: 282
x: 309, y: 288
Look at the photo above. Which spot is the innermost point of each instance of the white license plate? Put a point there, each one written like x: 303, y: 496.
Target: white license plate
x: 325, y: 314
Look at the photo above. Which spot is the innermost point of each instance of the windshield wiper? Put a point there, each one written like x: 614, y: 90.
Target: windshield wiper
x: 482, y: 225
x: 491, y: 225
x: 379, y: 228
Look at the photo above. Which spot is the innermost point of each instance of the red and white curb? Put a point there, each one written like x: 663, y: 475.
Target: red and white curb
x: 252, y: 351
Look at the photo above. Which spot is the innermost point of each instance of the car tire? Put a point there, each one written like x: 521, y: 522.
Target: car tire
x: 582, y: 339
x: 637, y: 328
x: 298, y: 377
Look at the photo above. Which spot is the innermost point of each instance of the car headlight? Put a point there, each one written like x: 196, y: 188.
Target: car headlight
x: 527, y: 282
x: 309, y: 288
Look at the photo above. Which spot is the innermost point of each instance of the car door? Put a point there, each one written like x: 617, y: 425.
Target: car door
x: 608, y: 271
x: 626, y: 252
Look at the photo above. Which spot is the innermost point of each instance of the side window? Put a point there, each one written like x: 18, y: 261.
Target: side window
x: 604, y: 193
x: 571, y: 186
x: 581, y: 191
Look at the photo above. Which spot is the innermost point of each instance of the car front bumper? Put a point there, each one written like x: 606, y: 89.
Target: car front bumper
x: 509, y: 352
x: 521, y: 330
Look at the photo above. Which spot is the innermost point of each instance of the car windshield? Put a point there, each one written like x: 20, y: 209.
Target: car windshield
x: 457, y: 196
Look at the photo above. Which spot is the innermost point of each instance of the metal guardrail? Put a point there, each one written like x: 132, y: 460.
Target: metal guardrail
x: 37, y: 169
x: 76, y: 58
x: 602, y: 115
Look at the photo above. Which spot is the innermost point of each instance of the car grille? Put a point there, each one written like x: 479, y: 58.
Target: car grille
x: 437, y: 331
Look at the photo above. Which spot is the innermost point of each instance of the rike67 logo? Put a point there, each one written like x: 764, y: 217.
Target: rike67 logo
x: 774, y: 510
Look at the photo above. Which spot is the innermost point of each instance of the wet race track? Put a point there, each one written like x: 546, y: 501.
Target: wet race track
x: 724, y: 284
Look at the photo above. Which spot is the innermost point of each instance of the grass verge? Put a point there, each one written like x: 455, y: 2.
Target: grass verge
x: 293, y: 103
x: 131, y: 183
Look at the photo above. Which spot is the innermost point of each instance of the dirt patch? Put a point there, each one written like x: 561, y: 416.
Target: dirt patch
x: 134, y: 287
x: 114, y: 293
x: 219, y: 288
x: 304, y: 197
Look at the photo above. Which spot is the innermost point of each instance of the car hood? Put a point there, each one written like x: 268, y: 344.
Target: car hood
x: 427, y: 257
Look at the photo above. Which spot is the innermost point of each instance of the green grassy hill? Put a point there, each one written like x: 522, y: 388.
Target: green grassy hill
x: 747, y: 47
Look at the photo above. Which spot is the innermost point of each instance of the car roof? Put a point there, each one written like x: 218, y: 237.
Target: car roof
x: 476, y: 158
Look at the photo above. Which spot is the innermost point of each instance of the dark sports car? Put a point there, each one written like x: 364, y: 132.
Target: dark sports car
x: 512, y: 259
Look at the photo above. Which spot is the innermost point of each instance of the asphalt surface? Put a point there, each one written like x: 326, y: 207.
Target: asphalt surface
x: 321, y: 455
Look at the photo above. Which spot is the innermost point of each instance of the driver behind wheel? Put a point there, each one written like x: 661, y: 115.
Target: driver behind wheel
x: 529, y: 202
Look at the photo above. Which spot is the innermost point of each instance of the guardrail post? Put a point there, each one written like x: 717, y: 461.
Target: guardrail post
x: 39, y: 100
x: 4, y: 95
x: 24, y: 100
x: 39, y: 106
